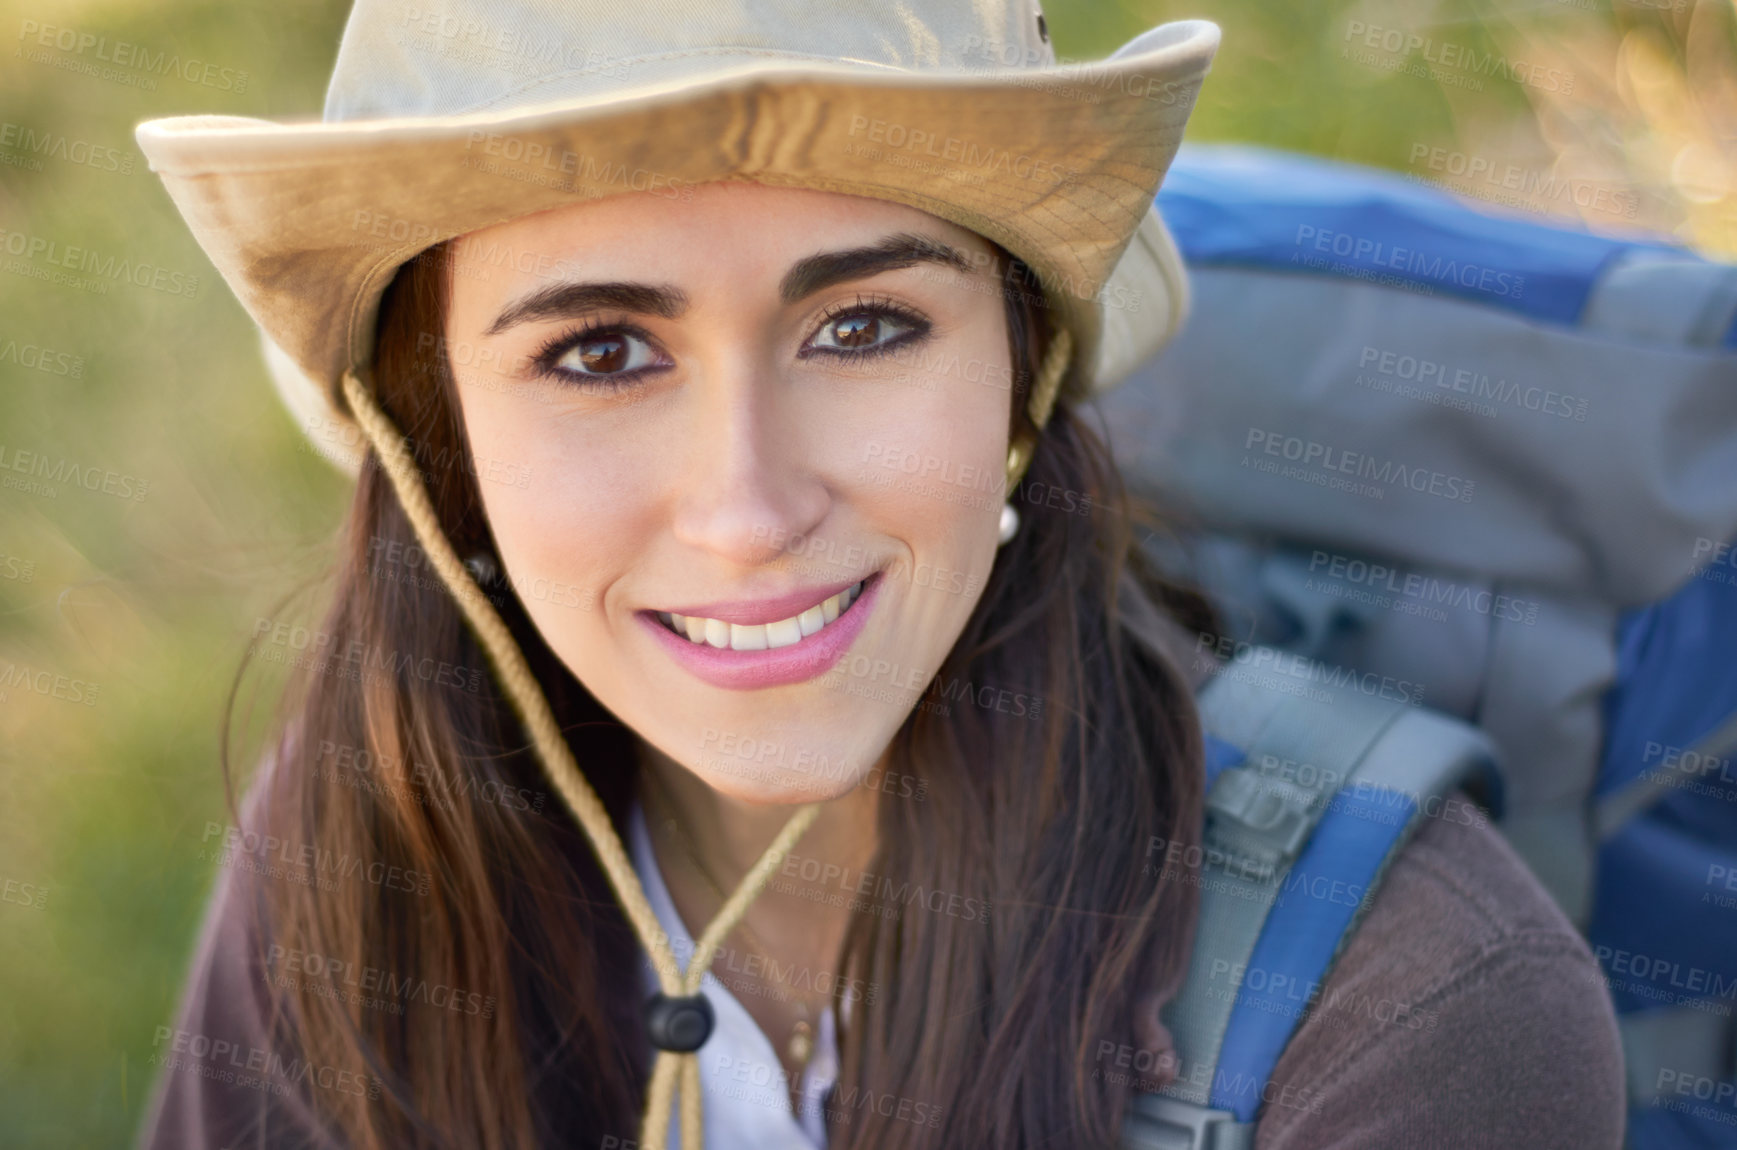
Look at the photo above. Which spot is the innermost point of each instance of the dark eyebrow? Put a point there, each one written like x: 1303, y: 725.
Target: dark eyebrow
x: 809, y: 275
x: 903, y: 250
x: 566, y: 299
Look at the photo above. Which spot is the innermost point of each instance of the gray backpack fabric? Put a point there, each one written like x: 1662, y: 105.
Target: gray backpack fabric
x: 1493, y: 464
x: 1311, y: 794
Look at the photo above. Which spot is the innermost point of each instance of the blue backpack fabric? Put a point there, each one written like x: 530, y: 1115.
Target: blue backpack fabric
x: 1310, y: 796
x: 1494, y: 462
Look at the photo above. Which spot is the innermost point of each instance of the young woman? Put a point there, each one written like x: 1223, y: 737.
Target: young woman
x: 694, y: 577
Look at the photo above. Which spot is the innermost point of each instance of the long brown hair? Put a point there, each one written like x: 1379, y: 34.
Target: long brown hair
x: 399, y: 753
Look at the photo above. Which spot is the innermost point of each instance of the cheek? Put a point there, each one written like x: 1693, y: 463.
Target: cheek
x: 928, y: 470
x: 565, y: 518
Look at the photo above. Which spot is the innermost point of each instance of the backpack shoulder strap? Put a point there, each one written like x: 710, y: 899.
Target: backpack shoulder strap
x: 1312, y: 790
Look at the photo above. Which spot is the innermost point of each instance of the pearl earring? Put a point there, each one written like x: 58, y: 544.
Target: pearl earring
x: 1009, y: 521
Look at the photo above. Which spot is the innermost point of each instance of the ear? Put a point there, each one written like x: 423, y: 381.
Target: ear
x: 1150, y: 1033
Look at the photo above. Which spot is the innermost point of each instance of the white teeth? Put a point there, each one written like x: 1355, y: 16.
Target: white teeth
x: 761, y: 637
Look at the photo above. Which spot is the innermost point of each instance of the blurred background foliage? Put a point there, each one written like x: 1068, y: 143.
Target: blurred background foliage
x: 104, y: 803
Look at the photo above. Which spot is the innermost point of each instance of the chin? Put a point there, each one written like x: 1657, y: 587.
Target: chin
x: 776, y: 765
x: 779, y: 788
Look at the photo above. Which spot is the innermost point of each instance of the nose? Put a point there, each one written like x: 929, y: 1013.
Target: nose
x: 749, y: 487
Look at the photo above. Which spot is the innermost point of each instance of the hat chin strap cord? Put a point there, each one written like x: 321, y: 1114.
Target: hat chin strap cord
x: 679, y: 1019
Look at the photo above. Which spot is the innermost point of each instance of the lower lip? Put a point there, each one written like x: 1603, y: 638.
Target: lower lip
x: 751, y: 670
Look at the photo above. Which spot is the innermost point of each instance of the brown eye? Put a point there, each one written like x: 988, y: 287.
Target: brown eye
x: 603, y: 354
x: 856, y: 331
x: 868, y: 329
x: 609, y: 352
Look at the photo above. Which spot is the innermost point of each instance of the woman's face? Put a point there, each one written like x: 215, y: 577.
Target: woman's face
x: 727, y: 414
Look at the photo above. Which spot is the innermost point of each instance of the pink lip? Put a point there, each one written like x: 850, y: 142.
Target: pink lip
x: 752, y: 670
x: 748, y: 612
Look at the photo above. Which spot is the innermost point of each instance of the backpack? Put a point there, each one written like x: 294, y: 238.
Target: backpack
x: 1490, y: 464
x: 1312, y: 790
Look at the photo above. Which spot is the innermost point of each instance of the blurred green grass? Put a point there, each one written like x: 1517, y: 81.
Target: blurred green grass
x: 153, y: 600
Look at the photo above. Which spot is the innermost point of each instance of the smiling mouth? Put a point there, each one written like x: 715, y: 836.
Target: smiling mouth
x: 702, y: 631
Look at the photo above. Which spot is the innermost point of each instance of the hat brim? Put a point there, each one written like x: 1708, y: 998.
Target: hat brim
x: 308, y: 222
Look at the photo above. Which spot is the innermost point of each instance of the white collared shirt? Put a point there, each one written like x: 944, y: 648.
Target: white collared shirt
x: 747, y: 1099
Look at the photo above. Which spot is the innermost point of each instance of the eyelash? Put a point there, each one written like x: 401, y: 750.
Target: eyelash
x: 879, y: 307
x: 544, y: 360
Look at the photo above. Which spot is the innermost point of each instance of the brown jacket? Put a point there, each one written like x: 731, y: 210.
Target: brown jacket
x: 1465, y: 1013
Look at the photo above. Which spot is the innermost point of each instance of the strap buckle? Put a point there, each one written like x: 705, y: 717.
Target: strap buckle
x: 1258, y: 817
x: 1157, y: 1122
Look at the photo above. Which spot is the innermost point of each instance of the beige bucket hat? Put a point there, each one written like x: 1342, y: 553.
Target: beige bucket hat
x: 442, y: 120
x: 447, y: 116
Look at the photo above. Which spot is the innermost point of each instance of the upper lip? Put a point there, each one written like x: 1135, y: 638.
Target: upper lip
x: 749, y: 612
